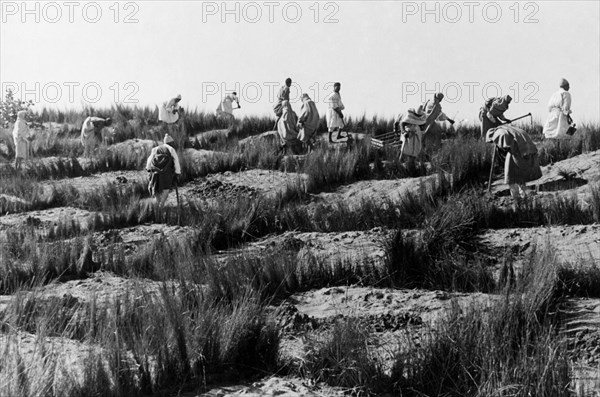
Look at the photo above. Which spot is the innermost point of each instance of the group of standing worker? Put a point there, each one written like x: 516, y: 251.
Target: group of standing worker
x: 295, y: 130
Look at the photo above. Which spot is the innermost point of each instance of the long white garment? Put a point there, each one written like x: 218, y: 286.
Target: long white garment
x: 414, y: 141
x: 20, y: 130
x: 20, y: 135
x: 287, y: 124
x: 333, y: 118
x: 309, y: 119
x: 88, y: 130
x: 226, y: 105
x: 559, y: 107
x: 165, y: 112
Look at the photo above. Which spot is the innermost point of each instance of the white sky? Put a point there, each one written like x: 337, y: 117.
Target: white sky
x: 385, y: 56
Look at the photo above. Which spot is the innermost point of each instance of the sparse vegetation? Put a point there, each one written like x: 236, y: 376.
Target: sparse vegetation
x: 191, y: 293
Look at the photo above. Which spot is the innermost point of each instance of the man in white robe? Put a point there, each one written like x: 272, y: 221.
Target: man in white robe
x: 334, y: 116
x: 283, y: 95
x: 308, y: 122
x: 433, y: 110
x: 164, y: 169
x: 91, y: 133
x: 170, y: 111
x: 287, y: 127
x: 411, y: 129
x: 225, y: 109
x: 491, y: 113
x: 21, y: 137
x: 559, y: 106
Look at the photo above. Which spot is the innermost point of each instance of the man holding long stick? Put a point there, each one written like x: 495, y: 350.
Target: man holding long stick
x: 433, y: 110
x: 520, y: 155
x: 164, y: 168
x: 491, y: 113
x: 225, y: 108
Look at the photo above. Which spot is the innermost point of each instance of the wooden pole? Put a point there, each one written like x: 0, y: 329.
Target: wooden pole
x: 492, y: 170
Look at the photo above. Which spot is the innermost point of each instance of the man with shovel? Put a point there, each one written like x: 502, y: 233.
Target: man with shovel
x: 433, y: 110
x: 164, y: 168
x: 520, y: 155
x: 492, y: 113
x: 225, y: 108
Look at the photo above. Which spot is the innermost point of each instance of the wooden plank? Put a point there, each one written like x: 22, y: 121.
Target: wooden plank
x: 376, y: 143
x: 387, y: 135
x: 389, y: 139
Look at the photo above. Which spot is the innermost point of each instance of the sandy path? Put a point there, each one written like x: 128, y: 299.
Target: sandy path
x: 46, y: 219
x: 393, y: 190
x: 573, y: 244
x: 582, y: 170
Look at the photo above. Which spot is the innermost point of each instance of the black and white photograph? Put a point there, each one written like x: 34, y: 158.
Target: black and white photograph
x: 299, y: 198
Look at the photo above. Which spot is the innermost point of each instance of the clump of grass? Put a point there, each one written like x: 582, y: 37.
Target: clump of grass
x: 510, y: 347
x: 146, y: 341
x: 439, y: 257
x: 328, y: 168
x: 108, y: 196
x: 343, y: 358
x: 28, y: 260
x: 580, y: 278
x: 467, y: 160
x: 585, y: 140
x: 534, y: 212
x: 595, y: 202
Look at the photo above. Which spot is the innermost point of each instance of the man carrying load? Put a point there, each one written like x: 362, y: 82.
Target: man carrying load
x: 287, y: 128
x: 308, y: 122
